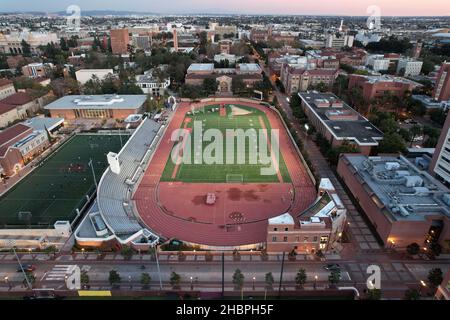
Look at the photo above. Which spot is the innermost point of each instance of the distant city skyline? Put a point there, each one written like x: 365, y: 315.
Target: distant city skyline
x: 321, y: 7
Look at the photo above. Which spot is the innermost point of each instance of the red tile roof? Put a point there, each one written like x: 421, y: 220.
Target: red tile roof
x: 18, y: 99
x: 8, y: 136
x: 5, y: 107
x: 5, y: 82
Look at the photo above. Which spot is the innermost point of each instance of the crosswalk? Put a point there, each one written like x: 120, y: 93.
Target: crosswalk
x: 59, y: 272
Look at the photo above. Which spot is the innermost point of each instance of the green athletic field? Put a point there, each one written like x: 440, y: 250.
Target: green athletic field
x: 217, y: 173
x: 59, y: 185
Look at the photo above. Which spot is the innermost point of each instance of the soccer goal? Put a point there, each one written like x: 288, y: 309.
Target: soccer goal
x: 24, y: 216
x: 235, y: 178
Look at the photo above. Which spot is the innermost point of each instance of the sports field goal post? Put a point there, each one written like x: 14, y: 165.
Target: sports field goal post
x: 235, y: 178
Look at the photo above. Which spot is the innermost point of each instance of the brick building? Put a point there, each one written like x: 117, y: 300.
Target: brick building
x: 120, y: 39
x: 377, y: 86
x: 96, y: 106
x: 317, y: 228
x: 338, y: 122
x: 404, y: 204
x: 442, y: 90
x: 299, y: 79
x: 18, y: 145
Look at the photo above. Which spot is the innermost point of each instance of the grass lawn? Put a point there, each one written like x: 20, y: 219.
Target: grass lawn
x: 217, y: 173
x: 58, y: 186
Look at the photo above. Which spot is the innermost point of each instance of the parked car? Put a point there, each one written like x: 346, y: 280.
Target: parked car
x: 26, y: 268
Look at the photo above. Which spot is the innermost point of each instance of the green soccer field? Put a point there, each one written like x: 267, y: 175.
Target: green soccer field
x: 59, y: 185
x: 218, y: 173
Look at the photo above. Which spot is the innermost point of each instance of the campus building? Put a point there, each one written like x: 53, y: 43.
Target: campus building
x: 440, y: 163
x: 84, y: 75
x: 408, y: 67
x: 317, y: 228
x: 338, y: 122
x: 442, y: 88
x: 151, y: 84
x: 378, y: 86
x: 18, y: 145
x: 338, y: 41
x: 249, y: 73
x: 17, y: 106
x: 6, y: 88
x: 11, y: 43
x: 297, y: 79
x: 120, y: 40
x: 38, y: 70
x: 404, y: 204
x: 96, y: 106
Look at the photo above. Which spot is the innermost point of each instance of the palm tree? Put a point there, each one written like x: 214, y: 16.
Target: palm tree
x: 300, y: 278
x: 145, y: 280
x: 175, y: 280
x: 269, y: 281
x: 238, y: 279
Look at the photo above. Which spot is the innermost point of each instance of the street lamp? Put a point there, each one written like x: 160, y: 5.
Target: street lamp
x: 129, y: 281
x: 422, y: 285
x: 315, y: 281
x: 192, y: 284
x: 254, y: 278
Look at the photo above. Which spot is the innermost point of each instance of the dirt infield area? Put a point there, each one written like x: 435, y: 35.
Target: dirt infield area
x: 239, y: 215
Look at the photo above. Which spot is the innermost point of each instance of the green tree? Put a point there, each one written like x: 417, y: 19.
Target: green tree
x: 334, y: 277
x: 415, y: 132
x: 210, y: 86
x: 413, y: 249
x: 84, y: 278
x: 269, y: 281
x: 175, y: 280
x: 392, y: 143
x: 145, y: 280
x: 412, y: 294
x: 300, y: 278
x: 238, y: 279
x: 114, y: 278
x: 127, y: 253
x: 373, y: 294
x: 435, y: 276
x: 26, y: 49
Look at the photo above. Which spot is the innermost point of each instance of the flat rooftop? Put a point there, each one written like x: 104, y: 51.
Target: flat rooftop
x: 108, y: 101
x: 41, y: 123
x: 342, y: 121
x: 195, y: 67
x: 402, y: 191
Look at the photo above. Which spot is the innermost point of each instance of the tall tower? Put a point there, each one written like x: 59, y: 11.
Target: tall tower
x: 175, y: 39
x: 442, y: 87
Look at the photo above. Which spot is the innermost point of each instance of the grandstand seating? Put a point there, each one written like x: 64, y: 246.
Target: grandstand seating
x: 114, y: 193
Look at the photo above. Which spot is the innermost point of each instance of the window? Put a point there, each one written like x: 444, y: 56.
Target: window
x: 274, y: 239
x: 306, y: 239
x: 275, y: 229
x: 285, y: 239
x: 286, y: 229
x: 315, y: 239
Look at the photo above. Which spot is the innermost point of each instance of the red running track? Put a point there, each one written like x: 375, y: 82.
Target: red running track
x: 177, y: 210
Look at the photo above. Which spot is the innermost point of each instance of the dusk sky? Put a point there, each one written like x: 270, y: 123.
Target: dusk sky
x: 319, y: 7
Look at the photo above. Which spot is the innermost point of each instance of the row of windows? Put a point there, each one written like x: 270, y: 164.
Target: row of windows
x: 323, y: 239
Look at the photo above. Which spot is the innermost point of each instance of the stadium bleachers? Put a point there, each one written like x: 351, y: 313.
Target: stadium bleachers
x: 114, y: 190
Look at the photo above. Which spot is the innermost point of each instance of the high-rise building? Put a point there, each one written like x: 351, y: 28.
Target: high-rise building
x: 175, y: 39
x: 440, y: 163
x: 416, y: 50
x: 120, y: 39
x: 442, y: 88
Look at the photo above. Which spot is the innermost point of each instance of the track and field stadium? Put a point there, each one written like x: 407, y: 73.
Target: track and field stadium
x: 220, y: 205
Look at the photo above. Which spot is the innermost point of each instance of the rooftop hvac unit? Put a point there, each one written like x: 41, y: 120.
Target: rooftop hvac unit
x: 413, y: 181
x: 392, y: 166
x: 401, y: 173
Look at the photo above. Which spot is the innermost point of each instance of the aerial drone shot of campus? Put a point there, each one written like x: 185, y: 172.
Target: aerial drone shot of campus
x: 253, y: 151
